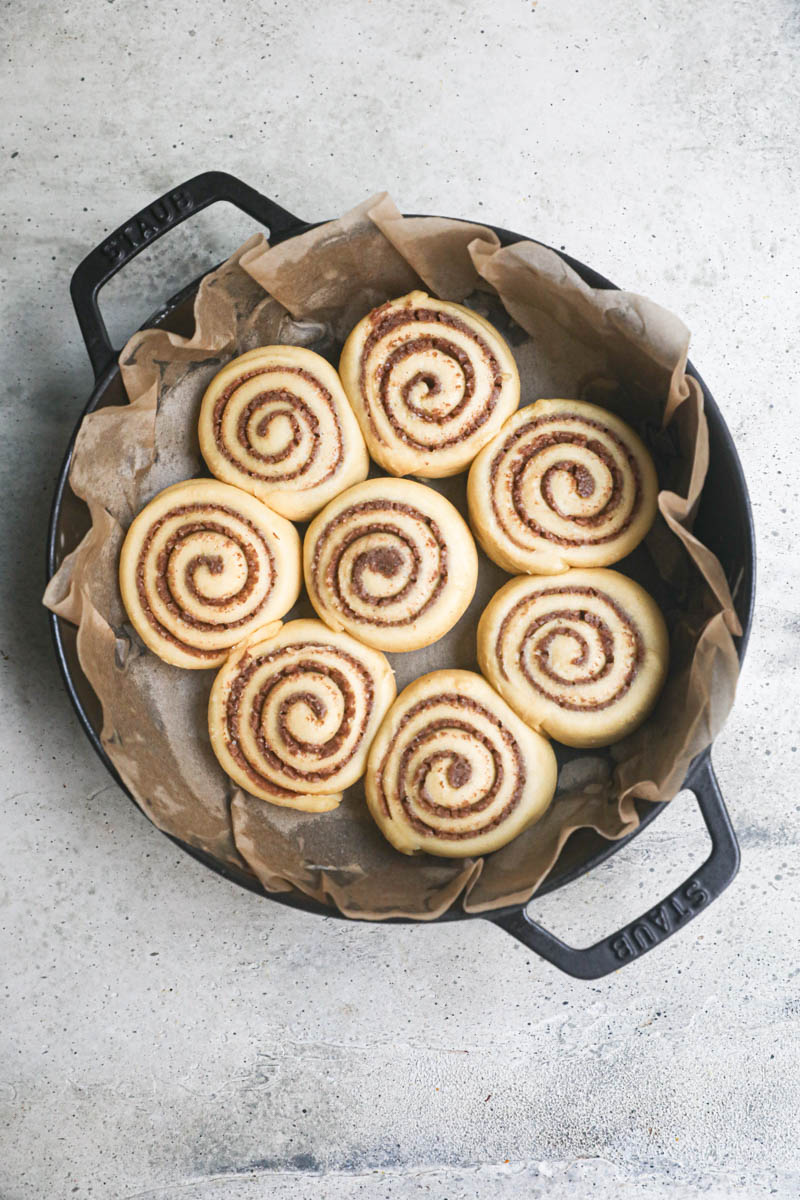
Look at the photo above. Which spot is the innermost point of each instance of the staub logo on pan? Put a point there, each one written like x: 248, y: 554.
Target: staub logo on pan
x: 147, y: 224
x: 660, y: 922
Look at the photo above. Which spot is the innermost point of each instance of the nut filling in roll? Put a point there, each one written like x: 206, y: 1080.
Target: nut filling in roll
x: 392, y: 562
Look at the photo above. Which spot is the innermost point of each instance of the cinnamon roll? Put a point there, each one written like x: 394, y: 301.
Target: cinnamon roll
x: 295, y: 708
x: 276, y: 422
x: 453, y: 771
x: 563, y: 484
x: 582, y: 657
x: 202, y: 566
x: 392, y: 562
x: 430, y: 382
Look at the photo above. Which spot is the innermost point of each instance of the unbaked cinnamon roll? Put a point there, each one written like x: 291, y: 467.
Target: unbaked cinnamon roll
x: 202, y: 566
x: 430, y: 382
x: 453, y: 771
x: 582, y: 657
x: 392, y: 562
x: 563, y: 484
x: 276, y: 422
x: 296, y: 708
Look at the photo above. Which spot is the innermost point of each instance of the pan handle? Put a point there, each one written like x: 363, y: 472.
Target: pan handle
x: 658, y: 923
x: 147, y: 226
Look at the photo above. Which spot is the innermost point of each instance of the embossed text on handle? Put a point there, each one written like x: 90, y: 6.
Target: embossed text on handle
x: 657, y: 924
x: 148, y: 224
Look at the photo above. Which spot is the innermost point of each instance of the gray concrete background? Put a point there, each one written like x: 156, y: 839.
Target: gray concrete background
x: 165, y: 1035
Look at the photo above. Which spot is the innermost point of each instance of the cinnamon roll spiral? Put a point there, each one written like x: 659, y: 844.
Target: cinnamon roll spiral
x: 392, y: 562
x: 296, y: 708
x: 430, y: 382
x: 276, y: 422
x: 563, y: 484
x: 453, y: 771
x: 202, y: 566
x: 582, y: 657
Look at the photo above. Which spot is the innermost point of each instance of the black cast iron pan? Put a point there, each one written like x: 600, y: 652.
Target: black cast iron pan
x: 724, y: 523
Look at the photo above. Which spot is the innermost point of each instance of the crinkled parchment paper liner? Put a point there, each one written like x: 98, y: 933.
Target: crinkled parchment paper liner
x: 569, y: 340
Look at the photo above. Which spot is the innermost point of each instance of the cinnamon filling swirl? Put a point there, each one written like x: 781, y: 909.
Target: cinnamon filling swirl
x: 399, y: 559
x: 279, y: 404
x: 297, y: 708
x: 349, y: 674
x: 516, y: 460
x: 387, y: 321
x: 410, y: 788
x: 213, y: 563
x: 530, y: 653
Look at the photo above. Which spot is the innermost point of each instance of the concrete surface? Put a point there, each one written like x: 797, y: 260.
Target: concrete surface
x: 165, y: 1035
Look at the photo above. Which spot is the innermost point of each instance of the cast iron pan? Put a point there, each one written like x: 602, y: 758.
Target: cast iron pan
x: 724, y: 523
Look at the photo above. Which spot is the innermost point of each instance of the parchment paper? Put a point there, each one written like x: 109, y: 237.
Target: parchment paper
x: 615, y: 348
